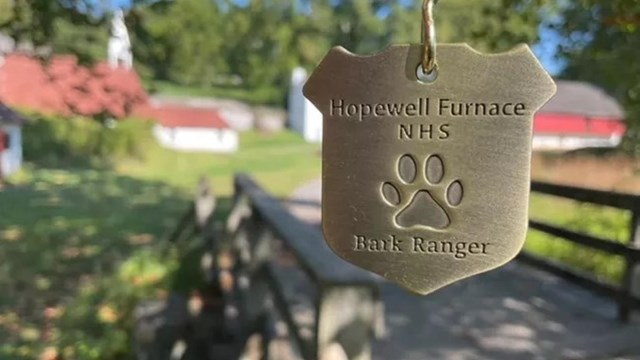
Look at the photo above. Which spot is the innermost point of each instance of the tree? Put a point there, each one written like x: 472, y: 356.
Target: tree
x: 87, y: 41
x: 354, y: 25
x: 71, y: 27
x: 6, y: 11
x: 220, y: 43
x: 602, y: 46
x: 260, y: 46
x: 33, y: 21
x: 486, y: 25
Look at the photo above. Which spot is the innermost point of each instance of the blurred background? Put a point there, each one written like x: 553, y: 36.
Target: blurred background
x: 111, y: 112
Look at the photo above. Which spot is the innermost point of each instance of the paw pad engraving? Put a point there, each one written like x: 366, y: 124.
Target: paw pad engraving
x: 423, y: 199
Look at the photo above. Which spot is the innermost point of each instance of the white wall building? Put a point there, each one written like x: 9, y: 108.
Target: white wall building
x: 10, y: 141
x: 304, y: 117
x: 194, y: 130
x: 197, y: 139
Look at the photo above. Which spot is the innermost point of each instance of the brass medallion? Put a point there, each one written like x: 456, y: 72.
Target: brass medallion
x: 426, y: 176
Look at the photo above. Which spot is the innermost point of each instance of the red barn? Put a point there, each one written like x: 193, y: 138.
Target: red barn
x: 580, y: 115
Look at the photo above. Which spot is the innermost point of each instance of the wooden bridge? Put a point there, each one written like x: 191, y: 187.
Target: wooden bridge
x: 292, y: 298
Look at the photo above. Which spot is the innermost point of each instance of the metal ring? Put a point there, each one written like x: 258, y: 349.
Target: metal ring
x: 428, y: 37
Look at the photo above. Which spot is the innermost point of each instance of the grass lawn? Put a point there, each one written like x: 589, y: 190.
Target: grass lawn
x: 279, y: 162
x: 78, y: 247
x: 236, y: 93
x: 604, y: 172
x: 604, y: 222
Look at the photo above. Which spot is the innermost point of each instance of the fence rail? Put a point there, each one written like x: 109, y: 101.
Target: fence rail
x: 347, y: 300
x: 628, y: 293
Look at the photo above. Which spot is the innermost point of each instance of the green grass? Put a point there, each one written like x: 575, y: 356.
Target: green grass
x: 606, y: 223
x: 236, y: 93
x: 79, y: 247
x: 279, y: 162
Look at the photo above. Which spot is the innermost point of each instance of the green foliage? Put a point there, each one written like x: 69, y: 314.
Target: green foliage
x: 207, y: 44
x: 486, y: 25
x: 290, y: 161
x: 79, y: 248
x: 28, y: 20
x: 68, y: 27
x: 181, y: 41
x: 236, y: 50
x: 86, y: 40
x: 594, y: 220
x: 98, y: 323
x: 351, y: 24
x: 601, y: 42
x: 51, y: 140
x: 6, y: 10
x: 250, y: 96
x: 39, y: 22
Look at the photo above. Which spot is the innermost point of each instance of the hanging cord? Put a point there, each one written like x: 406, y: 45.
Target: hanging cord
x: 429, y: 63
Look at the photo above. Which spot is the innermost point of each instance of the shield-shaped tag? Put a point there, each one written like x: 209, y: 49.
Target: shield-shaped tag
x: 427, y: 183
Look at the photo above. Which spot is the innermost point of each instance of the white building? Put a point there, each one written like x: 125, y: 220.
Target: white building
x: 10, y: 141
x: 194, y: 130
x: 304, y: 117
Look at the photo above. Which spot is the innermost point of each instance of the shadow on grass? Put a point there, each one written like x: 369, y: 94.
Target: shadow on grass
x: 67, y: 228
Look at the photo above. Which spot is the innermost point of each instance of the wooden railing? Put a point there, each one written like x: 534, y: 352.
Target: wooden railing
x: 199, y: 215
x: 627, y: 294
x: 343, y: 307
x: 280, y: 259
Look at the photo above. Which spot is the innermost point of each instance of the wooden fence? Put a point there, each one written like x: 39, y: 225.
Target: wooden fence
x: 626, y: 294
x: 346, y: 305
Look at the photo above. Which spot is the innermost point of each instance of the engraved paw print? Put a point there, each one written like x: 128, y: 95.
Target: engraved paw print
x: 424, y: 197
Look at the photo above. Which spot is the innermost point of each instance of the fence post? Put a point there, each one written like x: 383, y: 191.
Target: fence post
x: 631, y: 281
x: 205, y: 203
x: 346, y: 321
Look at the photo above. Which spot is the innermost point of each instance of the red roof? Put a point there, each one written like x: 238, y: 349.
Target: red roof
x: 181, y: 116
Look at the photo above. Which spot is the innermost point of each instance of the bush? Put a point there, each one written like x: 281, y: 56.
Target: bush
x: 55, y: 141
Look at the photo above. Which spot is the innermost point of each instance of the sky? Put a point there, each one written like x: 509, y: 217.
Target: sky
x: 120, y: 3
x: 546, y: 50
